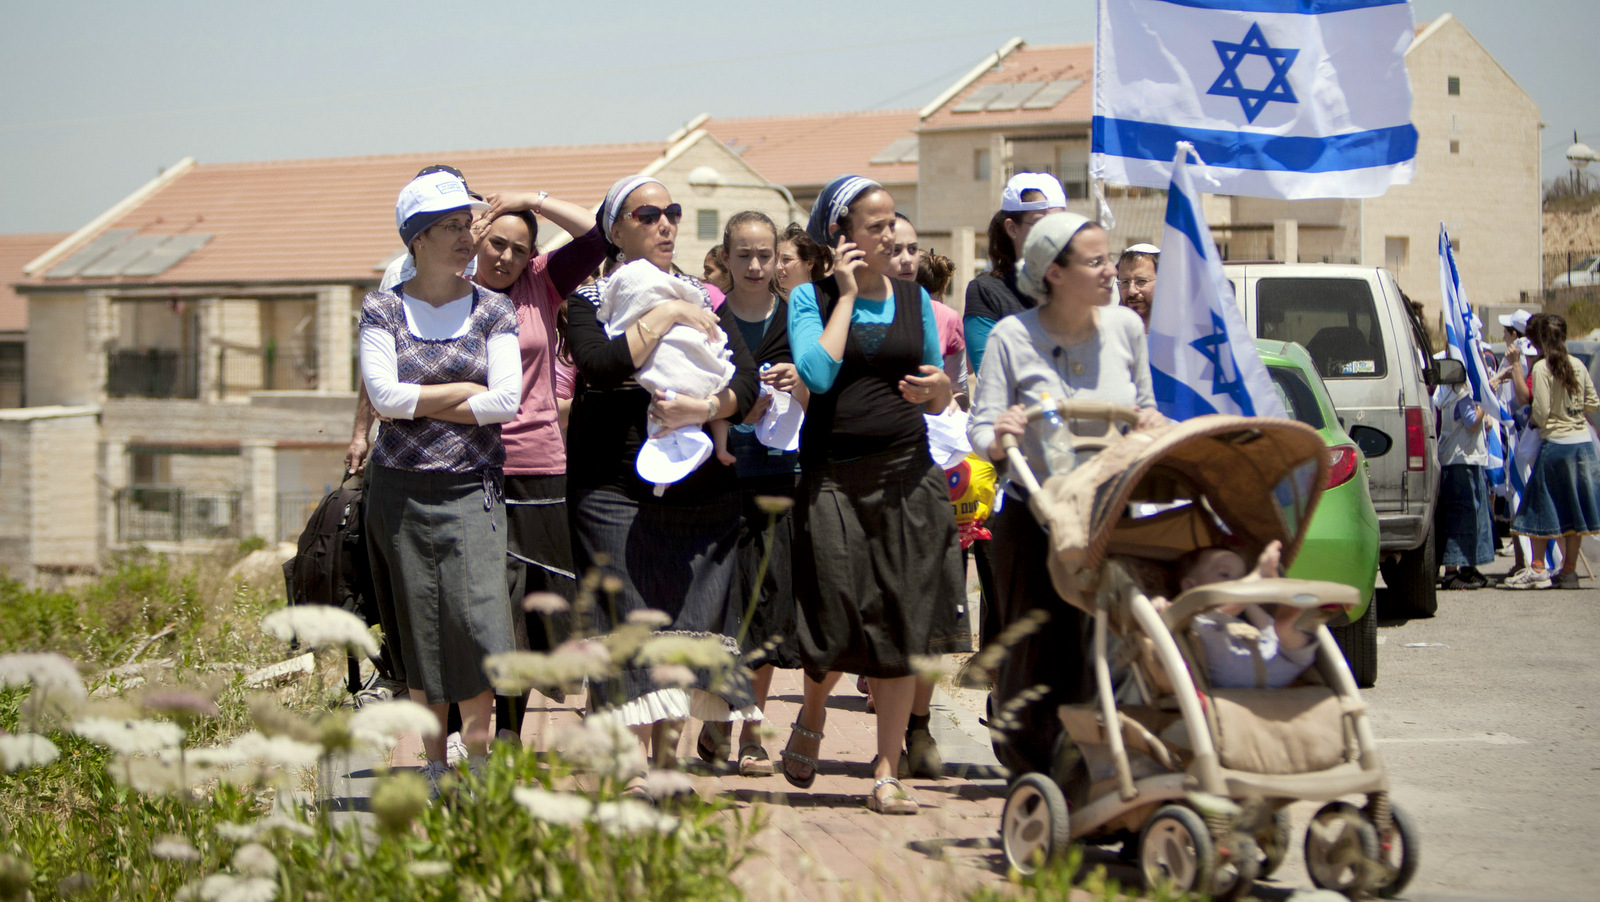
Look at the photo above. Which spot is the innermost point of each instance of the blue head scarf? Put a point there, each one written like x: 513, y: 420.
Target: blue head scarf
x: 832, y: 205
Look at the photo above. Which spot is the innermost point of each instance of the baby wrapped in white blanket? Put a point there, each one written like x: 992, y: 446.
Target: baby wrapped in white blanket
x: 684, y: 362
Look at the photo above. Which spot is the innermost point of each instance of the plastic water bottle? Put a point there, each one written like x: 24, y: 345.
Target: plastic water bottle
x: 1056, y: 438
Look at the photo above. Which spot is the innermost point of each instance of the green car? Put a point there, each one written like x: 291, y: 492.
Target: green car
x: 1341, y: 542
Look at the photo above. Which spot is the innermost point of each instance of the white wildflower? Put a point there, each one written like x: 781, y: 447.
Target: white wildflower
x: 174, y: 848
x: 427, y: 869
x: 689, y: 651
x: 282, y: 822
x: 547, y: 603
x: 254, y: 860
x: 651, y: 617
x: 54, y: 678
x: 276, y: 751
x: 237, y: 832
x: 571, y: 662
x: 602, y: 745
x: 149, y: 775
x: 320, y: 626
x: 561, y: 808
x: 671, y: 675
x: 26, y: 750
x: 227, y: 888
x: 629, y: 816
x: 129, y: 737
x: 381, y: 724
x: 665, y: 784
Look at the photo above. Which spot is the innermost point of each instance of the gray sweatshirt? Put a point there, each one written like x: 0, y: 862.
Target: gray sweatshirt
x: 1022, y: 362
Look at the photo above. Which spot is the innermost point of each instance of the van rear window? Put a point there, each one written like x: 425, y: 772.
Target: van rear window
x: 1335, y: 319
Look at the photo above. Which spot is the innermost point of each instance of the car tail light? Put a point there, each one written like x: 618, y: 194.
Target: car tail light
x: 1342, y: 462
x: 1416, y: 440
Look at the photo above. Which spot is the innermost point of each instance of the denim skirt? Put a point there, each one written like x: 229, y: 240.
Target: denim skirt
x: 1462, y: 516
x: 1560, y: 498
x: 437, y: 542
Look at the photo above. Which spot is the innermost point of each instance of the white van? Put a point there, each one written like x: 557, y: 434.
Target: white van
x: 1374, y: 356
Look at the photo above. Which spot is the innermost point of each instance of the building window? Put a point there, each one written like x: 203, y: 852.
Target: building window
x: 1455, y: 245
x: 1455, y: 86
x: 705, y: 225
x: 11, y: 369
x: 1396, y: 253
x: 149, y: 469
x: 980, y: 165
x: 1455, y: 146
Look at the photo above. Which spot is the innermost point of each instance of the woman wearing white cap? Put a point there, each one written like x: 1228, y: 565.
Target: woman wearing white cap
x: 440, y: 362
x: 1029, y: 197
x: 671, y: 551
x: 1071, y: 346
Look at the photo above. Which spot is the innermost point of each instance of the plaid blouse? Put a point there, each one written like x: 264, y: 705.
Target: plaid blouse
x: 426, y: 443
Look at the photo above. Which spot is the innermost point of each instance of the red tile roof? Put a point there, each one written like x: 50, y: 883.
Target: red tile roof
x: 812, y: 150
x: 1042, y: 63
x: 332, y: 220
x: 16, y: 251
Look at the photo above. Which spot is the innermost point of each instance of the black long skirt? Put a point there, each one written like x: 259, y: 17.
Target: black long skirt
x: 877, y: 565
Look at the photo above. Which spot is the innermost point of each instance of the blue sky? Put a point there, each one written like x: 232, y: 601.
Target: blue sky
x: 100, y: 96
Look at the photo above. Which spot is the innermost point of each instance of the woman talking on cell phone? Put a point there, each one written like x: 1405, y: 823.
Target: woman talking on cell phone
x: 877, y: 575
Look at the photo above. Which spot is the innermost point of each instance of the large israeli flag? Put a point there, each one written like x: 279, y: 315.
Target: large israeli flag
x: 1464, y: 332
x: 1282, y: 98
x: 1202, y: 356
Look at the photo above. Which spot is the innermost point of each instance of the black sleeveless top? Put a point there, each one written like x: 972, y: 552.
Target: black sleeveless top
x: 863, y: 413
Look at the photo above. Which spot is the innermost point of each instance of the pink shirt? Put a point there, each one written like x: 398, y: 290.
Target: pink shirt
x: 953, y: 344
x: 534, y: 446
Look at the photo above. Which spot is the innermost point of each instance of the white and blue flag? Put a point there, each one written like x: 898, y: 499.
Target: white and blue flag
x: 1463, y: 332
x: 1202, y: 356
x: 1283, y: 98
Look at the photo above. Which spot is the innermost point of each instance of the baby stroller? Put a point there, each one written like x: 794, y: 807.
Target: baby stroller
x: 1195, y: 779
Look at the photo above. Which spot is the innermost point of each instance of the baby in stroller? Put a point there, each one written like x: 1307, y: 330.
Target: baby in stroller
x: 1245, y: 647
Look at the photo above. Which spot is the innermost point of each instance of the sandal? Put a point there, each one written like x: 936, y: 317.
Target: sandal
x: 790, y: 755
x: 753, y: 761
x: 895, y: 801
x: 713, y: 744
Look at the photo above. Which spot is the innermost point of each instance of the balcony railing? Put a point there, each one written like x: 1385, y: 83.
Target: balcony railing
x: 246, y: 369
x: 152, y: 373
x: 171, y: 514
x: 294, y: 510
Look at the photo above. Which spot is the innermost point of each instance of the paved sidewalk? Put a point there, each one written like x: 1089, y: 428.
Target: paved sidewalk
x: 823, y: 843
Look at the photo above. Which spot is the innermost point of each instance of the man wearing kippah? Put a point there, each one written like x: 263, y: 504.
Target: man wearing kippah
x: 1136, y: 279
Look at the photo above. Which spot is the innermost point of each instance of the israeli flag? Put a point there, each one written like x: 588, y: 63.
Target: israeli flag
x: 1283, y: 98
x: 1202, y: 356
x: 1463, y: 333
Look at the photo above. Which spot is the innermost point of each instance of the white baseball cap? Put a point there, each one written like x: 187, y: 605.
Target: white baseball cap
x: 429, y: 198
x: 1516, y: 320
x: 1055, y: 196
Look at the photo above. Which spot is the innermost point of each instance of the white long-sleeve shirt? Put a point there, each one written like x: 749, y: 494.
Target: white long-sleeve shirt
x: 398, y: 400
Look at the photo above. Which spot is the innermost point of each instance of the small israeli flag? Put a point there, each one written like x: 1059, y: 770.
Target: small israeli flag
x: 1283, y: 98
x: 1202, y: 356
x: 1464, y: 332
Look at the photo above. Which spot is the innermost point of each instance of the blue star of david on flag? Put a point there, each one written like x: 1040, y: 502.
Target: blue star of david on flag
x: 1215, y: 349
x: 1229, y: 83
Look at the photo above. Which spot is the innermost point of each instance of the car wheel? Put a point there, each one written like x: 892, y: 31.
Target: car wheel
x: 1359, y: 642
x: 1412, y: 580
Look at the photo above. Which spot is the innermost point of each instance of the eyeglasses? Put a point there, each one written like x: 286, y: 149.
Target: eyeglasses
x: 451, y: 227
x: 649, y: 215
x: 1096, y: 263
x: 1140, y: 284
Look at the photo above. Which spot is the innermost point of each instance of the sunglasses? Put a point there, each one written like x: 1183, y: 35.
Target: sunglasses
x: 647, y: 214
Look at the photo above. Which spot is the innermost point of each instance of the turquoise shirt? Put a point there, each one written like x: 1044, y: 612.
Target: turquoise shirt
x: 817, y: 367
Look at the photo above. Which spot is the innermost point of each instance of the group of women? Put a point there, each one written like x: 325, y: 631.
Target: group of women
x: 476, y: 497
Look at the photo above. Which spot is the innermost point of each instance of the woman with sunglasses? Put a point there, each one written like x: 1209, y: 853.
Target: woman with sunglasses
x: 671, y: 549
x: 440, y: 362
x: 1070, y: 346
x: 877, y: 575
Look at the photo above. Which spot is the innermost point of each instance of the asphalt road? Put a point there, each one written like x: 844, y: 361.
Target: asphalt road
x: 1487, y: 715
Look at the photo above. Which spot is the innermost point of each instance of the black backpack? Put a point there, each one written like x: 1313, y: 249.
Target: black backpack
x: 331, y: 566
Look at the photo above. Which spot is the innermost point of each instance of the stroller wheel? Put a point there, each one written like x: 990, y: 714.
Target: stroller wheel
x: 1176, y: 849
x: 1399, y: 852
x: 1033, y: 825
x: 1339, y: 844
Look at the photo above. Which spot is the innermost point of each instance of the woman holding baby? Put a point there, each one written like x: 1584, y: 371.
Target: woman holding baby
x: 670, y: 547
x: 1073, y: 345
